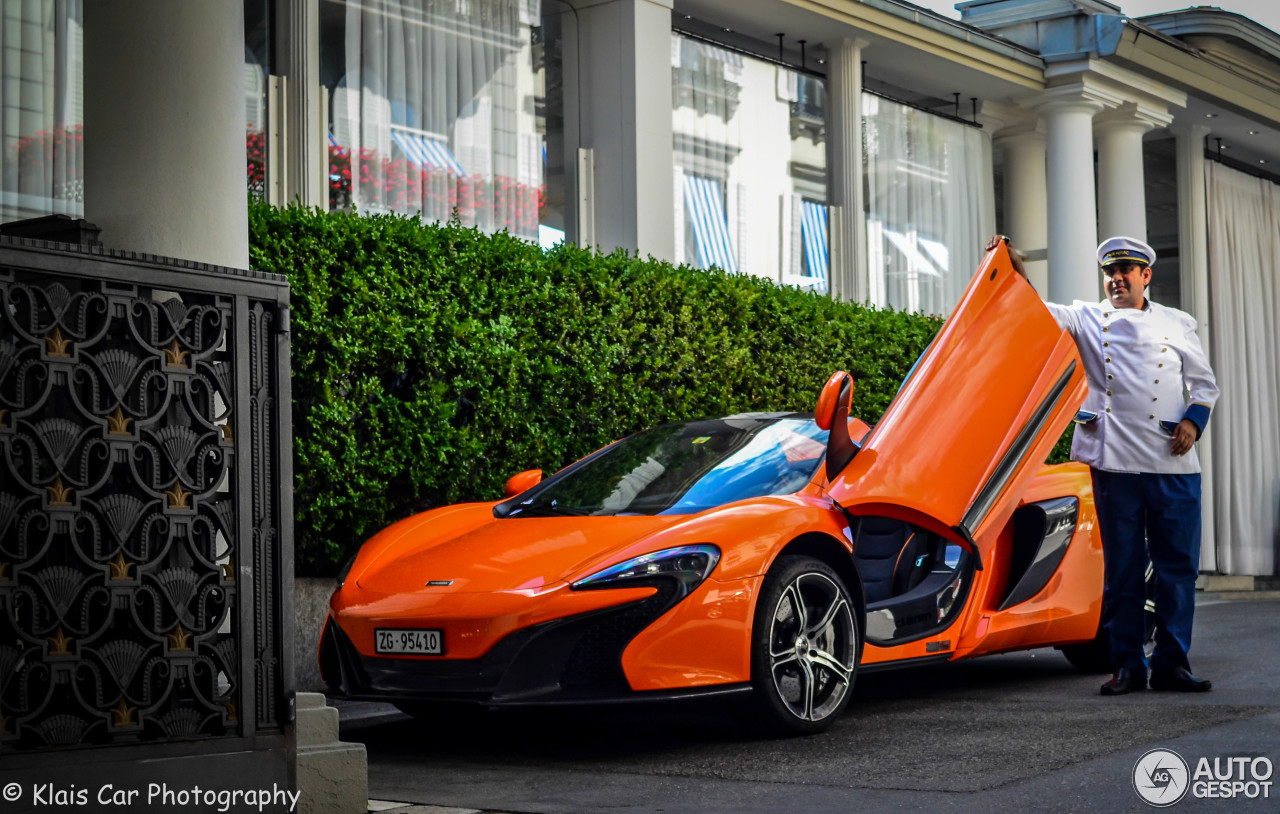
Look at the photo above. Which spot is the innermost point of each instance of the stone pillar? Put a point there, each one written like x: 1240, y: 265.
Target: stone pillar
x: 1026, y: 217
x: 617, y: 63
x: 165, y: 122
x: 844, y: 171
x: 1122, y: 201
x: 1073, y: 226
x: 1193, y: 268
x: 333, y: 777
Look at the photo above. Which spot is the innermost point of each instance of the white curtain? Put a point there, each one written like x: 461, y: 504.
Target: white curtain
x: 930, y: 205
x: 1244, y: 296
x: 41, y: 109
x: 434, y: 111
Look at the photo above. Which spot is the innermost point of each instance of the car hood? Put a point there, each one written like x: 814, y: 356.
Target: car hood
x: 491, y: 554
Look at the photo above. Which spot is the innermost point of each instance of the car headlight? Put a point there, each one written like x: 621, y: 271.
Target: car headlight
x: 687, y: 565
x: 346, y: 569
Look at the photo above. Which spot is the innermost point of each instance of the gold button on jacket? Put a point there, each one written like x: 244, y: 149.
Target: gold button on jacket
x: 1125, y: 391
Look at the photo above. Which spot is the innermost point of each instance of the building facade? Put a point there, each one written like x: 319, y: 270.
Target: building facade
x: 864, y: 148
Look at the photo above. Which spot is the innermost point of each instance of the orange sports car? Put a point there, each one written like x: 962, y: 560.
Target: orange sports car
x: 773, y: 555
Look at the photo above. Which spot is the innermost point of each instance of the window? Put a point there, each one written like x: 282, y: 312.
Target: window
x: 257, y: 61
x: 813, y: 233
x: 750, y: 158
x: 42, y: 106
x: 930, y: 205
x: 705, y: 220
x: 437, y: 108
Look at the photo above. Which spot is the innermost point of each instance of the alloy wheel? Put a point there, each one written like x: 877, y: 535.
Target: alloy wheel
x: 812, y: 646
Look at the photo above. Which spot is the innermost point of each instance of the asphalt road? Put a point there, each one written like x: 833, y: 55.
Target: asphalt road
x: 1011, y: 733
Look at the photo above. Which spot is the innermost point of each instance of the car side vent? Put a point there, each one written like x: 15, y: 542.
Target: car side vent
x: 1041, y: 533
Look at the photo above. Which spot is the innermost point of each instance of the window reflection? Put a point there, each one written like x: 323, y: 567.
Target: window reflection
x: 438, y: 107
x: 750, y: 154
x: 42, y: 108
x: 257, y: 67
x: 929, y: 203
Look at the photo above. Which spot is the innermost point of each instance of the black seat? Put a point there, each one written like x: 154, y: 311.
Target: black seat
x: 892, y: 557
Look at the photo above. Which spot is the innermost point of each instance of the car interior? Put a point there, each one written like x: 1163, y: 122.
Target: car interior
x: 913, y: 580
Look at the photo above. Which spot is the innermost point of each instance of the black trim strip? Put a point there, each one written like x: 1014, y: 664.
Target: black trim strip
x: 738, y: 49
x: 973, y: 545
x: 567, y: 700
x: 1013, y: 457
x: 840, y: 447
x: 1240, y: 166
x: 644, y: 696
x: 899, y: 664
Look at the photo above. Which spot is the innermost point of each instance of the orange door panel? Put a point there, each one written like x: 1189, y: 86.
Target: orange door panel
x: 976, y: 417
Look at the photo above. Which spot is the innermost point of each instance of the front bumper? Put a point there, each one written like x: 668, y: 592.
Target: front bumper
x: 576, y: 659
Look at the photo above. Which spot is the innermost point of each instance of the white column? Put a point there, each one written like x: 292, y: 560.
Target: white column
x: 1193, y: 269
x: 617, y: 59
x: 1073, y: 227
x: 1122, y: 201
x: 1193, y: 224
x: 844, y: 170
x: 164, y: 104
x: 1026, y: 218
x: 305, y: 155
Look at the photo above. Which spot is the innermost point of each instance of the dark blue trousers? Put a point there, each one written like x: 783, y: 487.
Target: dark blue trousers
x: 1141, y: 515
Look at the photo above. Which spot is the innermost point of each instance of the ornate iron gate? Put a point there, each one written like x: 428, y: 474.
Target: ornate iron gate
x: 146, y: 553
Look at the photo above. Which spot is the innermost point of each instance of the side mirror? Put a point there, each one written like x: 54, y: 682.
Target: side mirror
x: 836, y: 394
x: 523, y: 481
x: 832, y: 414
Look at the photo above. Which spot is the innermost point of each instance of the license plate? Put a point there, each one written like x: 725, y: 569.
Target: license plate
x: 424, y: 642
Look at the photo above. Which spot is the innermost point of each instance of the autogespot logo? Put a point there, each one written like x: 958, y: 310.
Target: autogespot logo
x: 1161, y: 777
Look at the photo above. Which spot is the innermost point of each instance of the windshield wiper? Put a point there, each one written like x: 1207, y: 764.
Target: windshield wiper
x: 546, y: 510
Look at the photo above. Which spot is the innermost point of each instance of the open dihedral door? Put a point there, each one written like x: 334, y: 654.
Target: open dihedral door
x: 975, y: 418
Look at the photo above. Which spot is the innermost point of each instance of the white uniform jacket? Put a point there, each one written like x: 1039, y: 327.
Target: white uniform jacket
x: 1146, y: 372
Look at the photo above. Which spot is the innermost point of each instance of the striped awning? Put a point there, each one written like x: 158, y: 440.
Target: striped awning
x: 813, y: 231
x: 705, y: 206
x: 426, y: 151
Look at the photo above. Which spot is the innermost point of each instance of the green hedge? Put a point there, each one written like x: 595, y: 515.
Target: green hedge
x: 432, y: 362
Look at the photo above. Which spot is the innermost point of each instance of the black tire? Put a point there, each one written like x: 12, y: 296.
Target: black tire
x: 804, y: 648
x: 1094, y: 656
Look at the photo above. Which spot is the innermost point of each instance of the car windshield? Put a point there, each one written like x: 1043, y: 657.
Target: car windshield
x: 686, y: 468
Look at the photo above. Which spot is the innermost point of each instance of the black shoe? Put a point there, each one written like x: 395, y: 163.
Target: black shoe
x: 1179, y: 679
x: 1125, y: 681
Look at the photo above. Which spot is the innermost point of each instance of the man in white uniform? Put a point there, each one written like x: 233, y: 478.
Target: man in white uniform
x: 1150, y: 394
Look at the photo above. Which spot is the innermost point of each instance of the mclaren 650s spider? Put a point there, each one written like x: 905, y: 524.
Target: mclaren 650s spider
x: 768, y: 555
